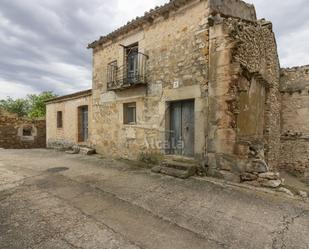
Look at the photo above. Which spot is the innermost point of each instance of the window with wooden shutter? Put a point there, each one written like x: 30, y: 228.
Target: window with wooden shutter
x: 129, y: 113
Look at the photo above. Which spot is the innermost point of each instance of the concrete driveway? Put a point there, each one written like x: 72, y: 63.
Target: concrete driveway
x: 54, y: 200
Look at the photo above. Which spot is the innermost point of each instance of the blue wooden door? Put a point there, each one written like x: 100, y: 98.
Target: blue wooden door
x: 182, y: 128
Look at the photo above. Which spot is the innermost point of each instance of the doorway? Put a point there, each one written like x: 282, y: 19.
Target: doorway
x: 182, y: 128
x: 82, y: 124
x: 132, y: 64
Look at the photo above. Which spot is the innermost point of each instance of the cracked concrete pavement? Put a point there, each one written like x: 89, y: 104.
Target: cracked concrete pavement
x: 103, y: 203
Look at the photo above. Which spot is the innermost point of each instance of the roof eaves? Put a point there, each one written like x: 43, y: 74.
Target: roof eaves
x: 147, y: 17
x: 70, y: 96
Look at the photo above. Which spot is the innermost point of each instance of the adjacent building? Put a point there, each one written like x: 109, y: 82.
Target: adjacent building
x: 68, y: 120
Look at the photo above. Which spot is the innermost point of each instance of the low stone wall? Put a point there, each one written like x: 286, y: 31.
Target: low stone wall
x: 21, y: 133
x: 294, y: 156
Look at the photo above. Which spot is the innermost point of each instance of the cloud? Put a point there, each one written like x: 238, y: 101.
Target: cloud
x: 14, y: 89
x: 291, y: 26
x: 43, y: 43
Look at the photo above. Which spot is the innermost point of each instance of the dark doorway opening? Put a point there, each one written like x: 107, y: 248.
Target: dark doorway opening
x: 82, y: 124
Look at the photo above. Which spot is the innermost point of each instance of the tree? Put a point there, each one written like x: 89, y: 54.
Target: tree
x: 32, y: 106
x: 37, y: 104
x: 19, y: 106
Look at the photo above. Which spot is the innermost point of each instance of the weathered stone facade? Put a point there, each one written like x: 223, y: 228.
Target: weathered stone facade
x: 244, y: 117
x: 294, y: 155
x: 177, y: 47
x: 21, y: 133
x: 66, y: 136
x: 208, y: 66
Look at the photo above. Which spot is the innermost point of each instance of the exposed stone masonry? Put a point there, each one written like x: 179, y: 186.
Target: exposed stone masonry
x: 21, y: 133
x: 294, y: 156
x: 180, y: 55
x: 244, y: 102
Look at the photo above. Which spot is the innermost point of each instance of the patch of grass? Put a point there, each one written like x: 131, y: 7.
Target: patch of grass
x: 153, y: 158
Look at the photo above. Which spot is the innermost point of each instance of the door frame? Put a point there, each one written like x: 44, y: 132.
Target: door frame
x: 82, y: 137
x: 169, y: 117
x: 131, y: 56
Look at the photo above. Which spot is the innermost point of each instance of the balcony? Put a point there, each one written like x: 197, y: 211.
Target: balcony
x: 132, y: 73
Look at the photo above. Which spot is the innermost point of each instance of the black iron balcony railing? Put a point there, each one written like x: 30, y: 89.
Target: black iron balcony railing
x: 133, y: 72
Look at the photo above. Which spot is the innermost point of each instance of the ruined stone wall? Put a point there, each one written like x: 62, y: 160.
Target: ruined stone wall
x: 234, y: 8
x: 12, y: 134
x: 177, y: 47
x: 294, y: 156
x: 67, y: 136
x: 257, y: 54
x: 244, y: 125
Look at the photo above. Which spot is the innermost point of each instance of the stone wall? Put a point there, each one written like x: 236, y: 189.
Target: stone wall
x: 244, y: 77
x: 177, y: 47
x: 234, y: 8
x: 67, y: 136
x: 21, y: 133
x: 175, y: 36
x: 257, y: 54
x: 294, y: 156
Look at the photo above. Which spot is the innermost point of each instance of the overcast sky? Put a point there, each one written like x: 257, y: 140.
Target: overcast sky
x: 43, y: 42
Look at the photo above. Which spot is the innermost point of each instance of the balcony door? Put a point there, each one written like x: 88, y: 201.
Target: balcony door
x: 132, y: 64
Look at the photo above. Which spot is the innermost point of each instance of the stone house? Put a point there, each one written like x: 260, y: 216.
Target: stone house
x: 194, y: 78
x: 67, y: 118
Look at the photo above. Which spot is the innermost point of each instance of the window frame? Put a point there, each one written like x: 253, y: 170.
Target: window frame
x: 27, y: 131
x: 112, y: 71
x: 126, y: 118
x: 131, y: 53
x: 59, y: 119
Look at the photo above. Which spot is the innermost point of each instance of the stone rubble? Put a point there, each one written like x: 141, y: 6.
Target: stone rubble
x: 286, y: 191
x: 303, y: 194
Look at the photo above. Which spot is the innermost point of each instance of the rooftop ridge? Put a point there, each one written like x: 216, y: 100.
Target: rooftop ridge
x: 164, y: 9
x: 69, y: 96
x: 148, y: 16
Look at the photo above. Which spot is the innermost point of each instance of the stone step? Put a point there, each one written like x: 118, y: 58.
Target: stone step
x: 183, y: 159
x: 179, y: 165
x: 86, y: 151
x: 178, y: 169
x: 183, y: 174
x: 72, y: 152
